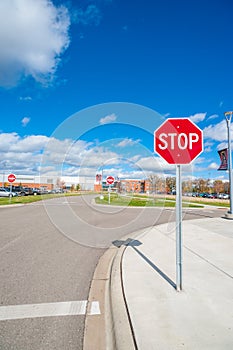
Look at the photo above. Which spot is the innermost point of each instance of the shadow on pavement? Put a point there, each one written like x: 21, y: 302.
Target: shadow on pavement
x: 135, y: 243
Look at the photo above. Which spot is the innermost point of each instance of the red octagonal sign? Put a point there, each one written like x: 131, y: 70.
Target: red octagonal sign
x: 11, y: 178
x: 110, y: 180
x: 178, y: 141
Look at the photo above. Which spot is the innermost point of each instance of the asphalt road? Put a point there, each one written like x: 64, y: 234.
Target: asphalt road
x: 49, y: 251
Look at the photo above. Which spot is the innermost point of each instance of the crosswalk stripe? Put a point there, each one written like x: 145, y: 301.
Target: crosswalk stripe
x: 68, y: 308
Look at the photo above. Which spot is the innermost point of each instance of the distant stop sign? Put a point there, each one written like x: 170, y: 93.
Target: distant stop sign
x: 110, y: 180
x: 178, y: 141
x: 11, y: 178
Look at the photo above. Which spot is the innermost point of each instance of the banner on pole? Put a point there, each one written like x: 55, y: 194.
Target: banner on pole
x: 98, y: 178
x: 223, y: 154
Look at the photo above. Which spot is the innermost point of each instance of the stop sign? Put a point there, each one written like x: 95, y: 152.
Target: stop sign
x: 110, y: 180
x: 178, y: 141
x: 11, y: 178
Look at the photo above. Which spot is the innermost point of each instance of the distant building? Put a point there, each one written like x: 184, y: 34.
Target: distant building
x: 125, y: 185
x: 134, y: 185
x: 48, y: 182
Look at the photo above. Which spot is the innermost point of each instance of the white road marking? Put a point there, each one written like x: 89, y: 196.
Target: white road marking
x: 69, y: 202
x: 95, y: 308
x: 69, y: 308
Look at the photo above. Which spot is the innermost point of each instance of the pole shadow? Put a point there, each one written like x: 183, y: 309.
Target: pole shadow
x: 135, y: 243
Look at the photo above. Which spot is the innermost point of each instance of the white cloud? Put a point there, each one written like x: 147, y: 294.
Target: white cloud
x: 213, y: 116
x: 199, y: 160
x: 94, y: 157
x: 217, y: 132
x: 108, y: 119
x: 127, y: 142
x: 155, y: 164
x: 208, y: 146
x: 33, y: 35
x: 25, y: 121
x: 208, y: 143
x: 33, y: 143
x: 213, y: 166
x: 25, y: 98
x: 38, y: 153
x: 198, y: 117
x: 6, y: 140
x: 21, y: 155
x: 224, y: 145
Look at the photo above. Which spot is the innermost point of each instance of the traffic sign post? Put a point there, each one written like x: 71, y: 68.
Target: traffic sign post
x: 109, y: 195
x: 11, y: 178
x: 179, y: 258
x: 110, y: 181
x: 178, y: 141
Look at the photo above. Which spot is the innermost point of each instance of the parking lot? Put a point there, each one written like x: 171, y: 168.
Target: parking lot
x: 25, y: 191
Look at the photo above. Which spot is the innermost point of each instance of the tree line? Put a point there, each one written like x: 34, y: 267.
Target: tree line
x: 168, y: 185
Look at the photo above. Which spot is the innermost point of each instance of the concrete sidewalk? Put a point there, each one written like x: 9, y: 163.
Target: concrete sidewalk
x: 201, y: 315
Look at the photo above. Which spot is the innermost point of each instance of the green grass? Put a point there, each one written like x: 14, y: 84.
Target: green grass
x: 195, y: 200
x: 31, y: 199
x: 141, y: 202
x: 216, y: 204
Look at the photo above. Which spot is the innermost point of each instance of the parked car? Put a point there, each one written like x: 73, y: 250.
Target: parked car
x: 223, y: 196
x: 203, y: 195
x: 21, y: 191
x: 27, y: 191
x: 36, y: 191
x: 18, y: 190
x: 5, y: 192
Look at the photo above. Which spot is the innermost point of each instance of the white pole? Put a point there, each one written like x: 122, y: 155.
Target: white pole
x: 178, y: 229
x: 109, y: 194
x: 102, y: 173
x: 10, y: 192
x: 228, y: 116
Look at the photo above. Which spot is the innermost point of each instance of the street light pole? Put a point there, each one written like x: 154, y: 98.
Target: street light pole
x: 102, y: 174
x: 4, y: 162
x: 228, y: 116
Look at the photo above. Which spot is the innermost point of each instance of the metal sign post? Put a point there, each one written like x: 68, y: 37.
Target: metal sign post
x: 109, y: 181
x: 178, y: 141
x: 178, y: 229
x: 11, y: 178
x: 228, y: 116
x: 109, y: 196
x: 10, y: 191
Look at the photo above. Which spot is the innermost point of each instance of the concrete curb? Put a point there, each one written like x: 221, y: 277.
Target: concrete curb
x: 97, y: 327
x: 122, y: 332
x: 112, y: 328
x: 12, y: 205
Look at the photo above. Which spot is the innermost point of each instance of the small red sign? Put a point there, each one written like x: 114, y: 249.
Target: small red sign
x: 11, y: 178
x: 110, y: 180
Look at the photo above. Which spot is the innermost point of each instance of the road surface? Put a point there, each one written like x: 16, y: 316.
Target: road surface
x: 49, y: 251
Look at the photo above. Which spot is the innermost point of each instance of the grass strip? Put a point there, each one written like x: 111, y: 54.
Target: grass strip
x: 141, y: 202
x: 32, y: 199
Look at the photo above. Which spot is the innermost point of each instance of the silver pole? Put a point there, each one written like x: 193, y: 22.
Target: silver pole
x: 178, y: 229
x: 102, y: 173
x: 228, y: 116
x: 10, y: 192
x: 109, y: 194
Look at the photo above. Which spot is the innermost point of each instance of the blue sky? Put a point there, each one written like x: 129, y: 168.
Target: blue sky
x: 60, y: 58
